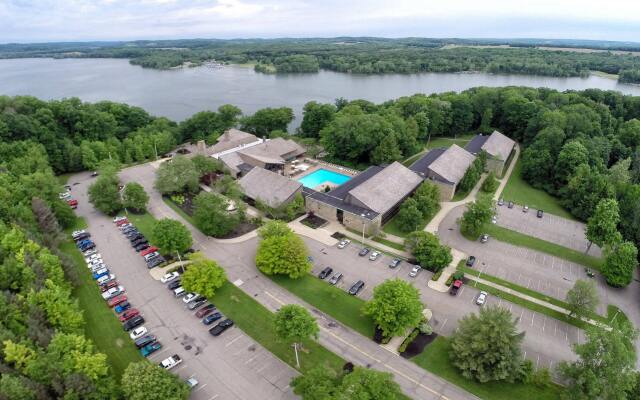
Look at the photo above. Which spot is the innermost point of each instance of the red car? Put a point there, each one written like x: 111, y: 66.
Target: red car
x: 122, y: 222
x: 148, y: 251
x: 127, y: 315
x: 73, y: 203
x: 108, y: 285
x: 114, y: 301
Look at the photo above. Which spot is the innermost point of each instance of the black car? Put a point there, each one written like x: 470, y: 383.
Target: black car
x: 221, y: 327
x: 141, y: 246
x: 140, y: 241
x: 174, y: 284
x: 510, y: 205
x: 129, y: 229
x: 133, y: 238
x: 325, y: 272
x: 145, y: 340
x: 82, y: 237
x: 132, y: 233
x: 356, y: 288
x: 133, y: 323
x: 470, y: 261
x: 364, y: 252
x: 540, y: 213
x: 155, y: 262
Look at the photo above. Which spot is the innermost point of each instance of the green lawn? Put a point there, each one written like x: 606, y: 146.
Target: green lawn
x: 389, y: 243
x: 258, y: 322
x: 102, y: 326
x: 520, y: 192
x: 618, y: 314
x: 330, y: 300
x: 519, y: 239
x: 439, y: 142
x: 393, y: 227
x: 435, y: 359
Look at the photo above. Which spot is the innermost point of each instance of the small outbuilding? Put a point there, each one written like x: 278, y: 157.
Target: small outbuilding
x: 270, y: 188
x: 498, y: 147
x: 445, y: 167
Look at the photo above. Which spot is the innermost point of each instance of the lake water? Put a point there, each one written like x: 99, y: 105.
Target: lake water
x: 179, y: 93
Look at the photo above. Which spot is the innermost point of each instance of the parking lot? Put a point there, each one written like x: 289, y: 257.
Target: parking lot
x: 547, y: 340
x: 554, y: 229
x: 231, y: 366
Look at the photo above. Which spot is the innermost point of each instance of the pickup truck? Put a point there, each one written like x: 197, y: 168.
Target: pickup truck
x: 455, y: 287
x: 171, y: 362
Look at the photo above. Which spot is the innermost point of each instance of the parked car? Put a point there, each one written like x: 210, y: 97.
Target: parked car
x: 100, y: 273
x: 94, y: 174
x: 76, y: 233
x: 325, y: 272
x: 127, y: 315
x: 211, y: 318
x: 145, y: 340
x: 108, y: 285
x: 335, y: 278
x: 150, y: 348
x: 97, y: 267
x: 189, y: 297
x: 221, y: 327
x: 414, y: 271
x: 114, y: 301
x: 174, y: 284
x: 105, y: 279
x: 149, y: 256
x: 118, y: 218
x: 82, y: 236
x: 73, y: 203
x: 394, y: 263
x: 92, y: 257
x: 135, y: 238
x: 374, y: 256
x: 83, y: 242
x: 179, y: 292
x: 197, y: 303
x: 494, y: 219
x: 138, y: 333
x: 120, y: 308
x: 356, y: 288
x: 170, y: 362
x: 589, y: 273
x: 455, y: 287
x: 114, y: 291
x: 124, y: 227
x: 363, y: 252
x: 471, y: 261
x: 484, y: 238
x: 86, y: 247
x: 122, y: 222
x: 540, y: 213
x: 155, y: 262
x: 89, y: 252
x: 208, y: 309
x: 501, y: 202
x: 525, y: 208
x: 166, y: 278
x: 150, y: 250
x: 344, y: 243
x: 191, y: 382
x: 510, y: 205
x: 482, y: 298
x: 133, y: 323
x: 141, y: 247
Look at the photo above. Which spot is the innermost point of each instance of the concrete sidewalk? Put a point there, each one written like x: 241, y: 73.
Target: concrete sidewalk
x: 440, y: 285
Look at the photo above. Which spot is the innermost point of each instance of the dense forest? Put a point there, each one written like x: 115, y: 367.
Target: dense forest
x: 363, y: 55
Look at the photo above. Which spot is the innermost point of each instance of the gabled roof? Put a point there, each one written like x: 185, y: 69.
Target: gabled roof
x: 475, y: 145
x: 498, y: 146
x: 452, y: 164
x: 232, y: 161
x: 422, y: 164
x: 385, y: 189
x: 271, y: 188
x: 272, y: 151
x: 230, y: 139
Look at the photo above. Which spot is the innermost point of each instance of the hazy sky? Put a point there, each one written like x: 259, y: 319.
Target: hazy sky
x: 81, y: 20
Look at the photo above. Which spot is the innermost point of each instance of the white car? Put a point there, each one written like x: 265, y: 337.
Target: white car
x: 374, y: 256
x: 192, y: 382
x: 344, y: 243
x: 494, y: 220
x: 171, y: 362
x: 114, y: 291
x: 151, y: 255
x: 75, y: 234
x: 190, y: 297
x: 105, y: 279
x: 90, y: 252
x: 482, y: 298
x: 138, y: 333
x: 169, y: 277
x: 64, y: 195
x: 98, y: 267
x: 95, y: 261
x: 92, y: 257
x: 414, y: 271
x: 118, y: 218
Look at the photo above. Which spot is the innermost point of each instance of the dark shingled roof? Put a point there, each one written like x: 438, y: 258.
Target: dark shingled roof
x: 422, y: 164
x: 475, y: 145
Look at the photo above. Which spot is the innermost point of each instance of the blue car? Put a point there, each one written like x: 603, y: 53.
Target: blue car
x: 100, y: 273
x: 84, y: 243
x: 150, y: 348
x: 211, y: 318
x: 122, y: 307
x: 86, y: 246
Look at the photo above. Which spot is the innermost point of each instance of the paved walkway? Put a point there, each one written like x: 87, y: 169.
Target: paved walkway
x: 440, y: 285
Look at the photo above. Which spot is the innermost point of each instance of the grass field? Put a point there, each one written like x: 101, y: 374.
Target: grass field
x: 102, y: 326
x: 435, y: 359
x: 439, y: 142
x: 330, y: 300
x: 258, y: 322
x: 520, y: 192
x: 519, y: 239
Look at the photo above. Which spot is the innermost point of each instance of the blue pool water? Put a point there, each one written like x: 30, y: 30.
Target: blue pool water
x: 321, y: 176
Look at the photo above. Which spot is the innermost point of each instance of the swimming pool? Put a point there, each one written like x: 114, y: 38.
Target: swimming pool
x: 321, y: 176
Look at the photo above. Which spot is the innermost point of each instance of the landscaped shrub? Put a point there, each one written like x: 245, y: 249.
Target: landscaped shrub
x: 436, y: 276
x: 490, y: 184
x: 449, y: 280
x: 407, y: 341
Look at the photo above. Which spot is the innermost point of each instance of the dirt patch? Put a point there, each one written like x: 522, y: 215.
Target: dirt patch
x: 313, y: 221
x: 242, y: 229
x: 418, y: 345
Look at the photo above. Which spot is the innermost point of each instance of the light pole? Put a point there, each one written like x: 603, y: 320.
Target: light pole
x: 363, y: 226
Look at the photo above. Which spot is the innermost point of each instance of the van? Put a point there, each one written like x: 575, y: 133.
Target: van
x: 179, y: 292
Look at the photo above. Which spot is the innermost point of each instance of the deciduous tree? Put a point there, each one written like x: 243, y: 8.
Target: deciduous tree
x: 619, y: 264
x: 283, y: 255
x: 211, y: 216
x: 583, y: 298
x: 104, y: 194
x: 476, y: 215
x: 134, y: 197
x: 143, y: 380
x: 395, y: 306
x: 428, y: 251
x: 409, y: 217
x: 294, y: 323
x: 171, y: 236
x: 203, y: 276
x: 428, y: 198
x: 602, y: 227
x: 177, y: 175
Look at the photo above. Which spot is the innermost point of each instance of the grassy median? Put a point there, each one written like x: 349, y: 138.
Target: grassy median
x: 101, y: 324
x: 435, y: 359
x: 522, y: 240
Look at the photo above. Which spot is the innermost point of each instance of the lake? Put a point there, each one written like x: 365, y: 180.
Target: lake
x: 179, y: 93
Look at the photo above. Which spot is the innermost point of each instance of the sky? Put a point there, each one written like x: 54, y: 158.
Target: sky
x: 87, y: 20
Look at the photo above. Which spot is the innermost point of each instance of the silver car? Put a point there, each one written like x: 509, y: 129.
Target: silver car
x: 482, y: 298
x: 414, y: 271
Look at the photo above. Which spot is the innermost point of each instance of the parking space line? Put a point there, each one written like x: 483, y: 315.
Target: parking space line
x: 444, y: 323
x: 214, y: 397
x: 533, y: 316
x: 201, y: 387
x: 251, y: 359
x: 233, y: 341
